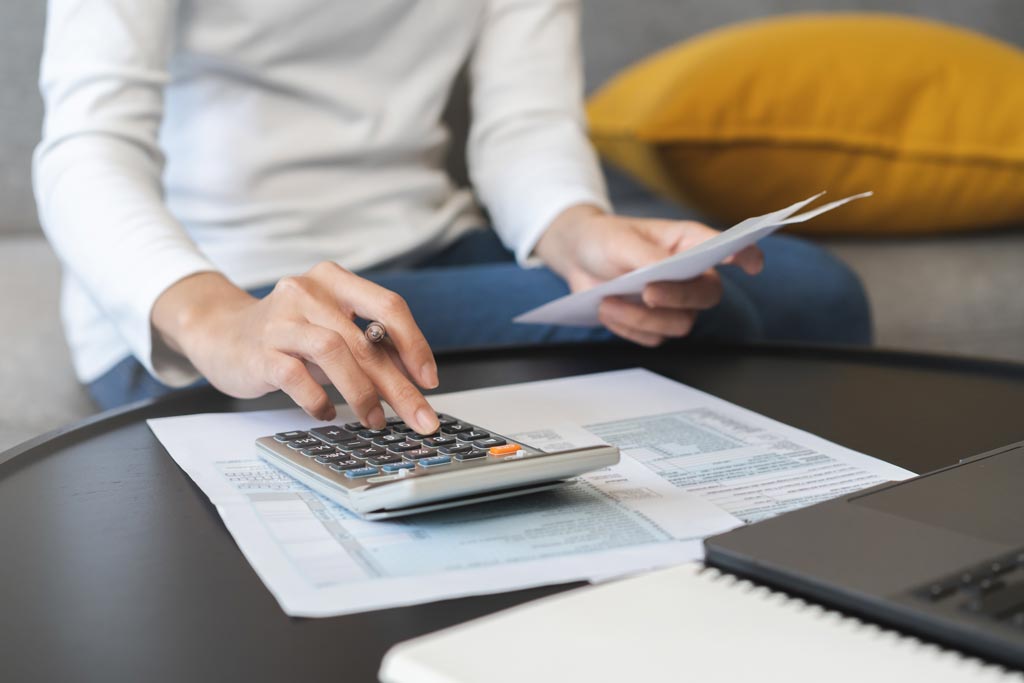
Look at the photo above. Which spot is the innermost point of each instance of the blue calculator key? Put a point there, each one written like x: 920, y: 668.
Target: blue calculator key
x: 395, y: 467
x: 361, y: 472
x: 436, y: 461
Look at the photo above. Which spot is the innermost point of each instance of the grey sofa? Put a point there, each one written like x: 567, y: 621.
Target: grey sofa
x: 951, y: 294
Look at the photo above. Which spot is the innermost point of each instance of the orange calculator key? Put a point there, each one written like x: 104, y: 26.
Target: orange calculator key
x: 504, y: 450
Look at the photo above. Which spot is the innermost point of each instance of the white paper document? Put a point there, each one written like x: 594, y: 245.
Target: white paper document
x: 580, y: 309
x: 692, y: 465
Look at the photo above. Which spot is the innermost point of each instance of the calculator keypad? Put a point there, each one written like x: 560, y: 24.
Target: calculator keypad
x: 359, y: 454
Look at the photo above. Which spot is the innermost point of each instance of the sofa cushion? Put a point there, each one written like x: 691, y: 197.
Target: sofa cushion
x: 755, y: 115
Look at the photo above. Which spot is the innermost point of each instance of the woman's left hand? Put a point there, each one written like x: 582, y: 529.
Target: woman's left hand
x: 587, y: 247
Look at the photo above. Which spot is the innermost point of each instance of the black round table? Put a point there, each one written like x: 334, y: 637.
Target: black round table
x: 114, y: 566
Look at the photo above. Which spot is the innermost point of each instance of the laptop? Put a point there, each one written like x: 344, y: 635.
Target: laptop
x: 940, y: 556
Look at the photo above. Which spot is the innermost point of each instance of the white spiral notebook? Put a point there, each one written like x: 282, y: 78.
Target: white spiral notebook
x: 685, y: 623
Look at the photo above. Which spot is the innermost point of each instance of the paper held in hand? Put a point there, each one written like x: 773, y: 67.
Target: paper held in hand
x: 580, y: 309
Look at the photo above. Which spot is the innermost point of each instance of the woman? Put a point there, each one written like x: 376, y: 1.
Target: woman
x: 213, y: 176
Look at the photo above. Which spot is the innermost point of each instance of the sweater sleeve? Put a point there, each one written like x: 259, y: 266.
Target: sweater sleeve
x: 97, y: 171
x: 528, y: 153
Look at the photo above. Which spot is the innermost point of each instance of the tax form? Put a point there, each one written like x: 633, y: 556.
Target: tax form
x: 580, y: 309
x: 692, y: 465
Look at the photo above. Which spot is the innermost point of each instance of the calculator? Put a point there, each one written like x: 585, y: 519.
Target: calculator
x: 390, y: 472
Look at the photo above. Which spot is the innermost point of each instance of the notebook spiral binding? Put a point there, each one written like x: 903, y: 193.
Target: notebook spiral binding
x: 987, y: 671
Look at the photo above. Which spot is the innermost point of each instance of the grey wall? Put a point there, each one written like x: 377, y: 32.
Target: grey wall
x: 21, y: 31
x: 616, y: 33
x: 619, y: 32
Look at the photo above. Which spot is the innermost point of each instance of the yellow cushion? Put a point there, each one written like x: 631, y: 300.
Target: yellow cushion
x: 755, y: 116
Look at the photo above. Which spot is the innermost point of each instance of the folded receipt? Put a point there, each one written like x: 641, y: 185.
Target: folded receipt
x: 580, y: 309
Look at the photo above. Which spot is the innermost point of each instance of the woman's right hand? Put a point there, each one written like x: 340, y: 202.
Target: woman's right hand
x: 300, y: 335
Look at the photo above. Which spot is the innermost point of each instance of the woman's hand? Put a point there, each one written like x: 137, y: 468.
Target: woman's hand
x: 587, y: 247
x: 300, y: 335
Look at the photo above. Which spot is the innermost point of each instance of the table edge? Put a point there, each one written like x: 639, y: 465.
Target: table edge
x: 875, y: 355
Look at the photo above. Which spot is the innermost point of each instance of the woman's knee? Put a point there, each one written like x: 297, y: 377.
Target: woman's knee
x: 825, y: 301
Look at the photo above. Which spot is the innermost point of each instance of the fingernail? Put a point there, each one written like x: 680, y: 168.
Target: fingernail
x: 428, y: 373
x: 426, y: 421
x: 375, y: 419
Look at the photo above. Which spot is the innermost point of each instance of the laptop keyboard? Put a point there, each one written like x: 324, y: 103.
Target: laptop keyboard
x: 992, y: 590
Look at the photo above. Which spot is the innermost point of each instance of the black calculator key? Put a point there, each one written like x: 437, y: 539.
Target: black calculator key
x: 471, y: 454
x: 386, y: 459
x: 289, y: 436
x: 415, y: 436
x: 331, y: 458
x: 354, y: 426
x: 394, y: 421
x: 304, y: 442
x: 388, y: 439
x: 366, y: 452
x: 473, y: 435
x: 456, y: 428
x: 419, y: 454
x: 443, y: 419
x: 403, y: 446
x: 332, y: 434
x: 322, y: 449
x: 452, y: 450
x: 489, y: 442
x: 402, y: 428
x: 345, y: 465
x: 351, y: 444
x: 372, y: 433
x: 439, y: 441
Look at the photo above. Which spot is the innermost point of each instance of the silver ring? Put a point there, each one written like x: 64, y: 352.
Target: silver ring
x: 375, y: 332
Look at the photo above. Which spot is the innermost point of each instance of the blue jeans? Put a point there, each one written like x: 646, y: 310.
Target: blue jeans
x: 466, y: 297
